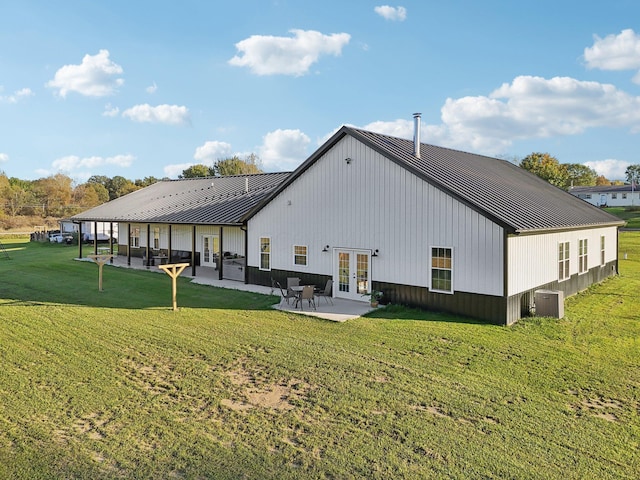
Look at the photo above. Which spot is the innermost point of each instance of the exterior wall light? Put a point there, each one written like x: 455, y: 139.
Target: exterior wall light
x: 375, y: 253
x: 326, y: 248
x: 348, y: 160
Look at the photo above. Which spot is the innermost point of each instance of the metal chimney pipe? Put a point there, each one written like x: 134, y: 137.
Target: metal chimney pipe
x: 416, y: 134
x: 246, y: 185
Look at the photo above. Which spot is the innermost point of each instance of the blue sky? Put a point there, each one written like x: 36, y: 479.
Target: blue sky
x: 141, y: 88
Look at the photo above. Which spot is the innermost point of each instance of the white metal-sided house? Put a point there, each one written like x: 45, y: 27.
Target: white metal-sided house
x: 609, y: 195
x: 430, y: 227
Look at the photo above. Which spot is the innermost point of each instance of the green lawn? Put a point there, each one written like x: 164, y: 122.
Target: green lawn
x: 114, y: 384
x: 631, y: 216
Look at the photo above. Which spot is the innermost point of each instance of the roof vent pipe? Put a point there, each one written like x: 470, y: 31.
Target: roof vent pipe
x: 246, y: 185
x: 416, y: 134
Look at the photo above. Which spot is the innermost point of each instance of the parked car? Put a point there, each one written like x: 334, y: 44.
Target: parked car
x: 60, y: 238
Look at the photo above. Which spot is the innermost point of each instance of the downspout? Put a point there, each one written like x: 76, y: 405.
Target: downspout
x: 128, y: 244
x: 169, y: 253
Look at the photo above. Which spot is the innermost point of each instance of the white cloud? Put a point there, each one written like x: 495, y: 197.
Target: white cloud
x: 168, y: 114
x: 611, y: 169
x: 152, y: 88
x: 391, y: 13
x: 94, y: 77
x: 4, y: 157
x: 173, y: 171
x: 212, y: 151
x: 614, y: 52
x: 533, y: 107
x: 16, y: 96
x: 110, y: 111
x: 283, y: 150
x: 73, y: 162
x: 269, y: 55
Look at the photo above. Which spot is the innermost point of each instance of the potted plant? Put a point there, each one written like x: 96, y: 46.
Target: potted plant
x: 375, y: 296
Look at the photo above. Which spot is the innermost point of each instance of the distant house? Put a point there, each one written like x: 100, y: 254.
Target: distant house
x: 608, y: 195
x: 195, y: 220
x: 430, y: 227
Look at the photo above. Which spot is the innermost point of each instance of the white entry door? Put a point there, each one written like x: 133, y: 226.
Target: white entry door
x: 351, y: 277
x: 210, y: 250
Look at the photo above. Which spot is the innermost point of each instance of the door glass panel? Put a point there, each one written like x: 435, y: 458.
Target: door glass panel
x: 362, y: 269
x: 207, y: 250
x: 343, y: 272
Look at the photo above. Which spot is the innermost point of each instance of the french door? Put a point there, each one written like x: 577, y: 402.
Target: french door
x: 210, y: 250
x: 351, y: 276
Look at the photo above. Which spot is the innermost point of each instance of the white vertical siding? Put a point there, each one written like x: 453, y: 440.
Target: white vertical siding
x: 371, y: 204
x: 533, y: 259
x: 232, y: 241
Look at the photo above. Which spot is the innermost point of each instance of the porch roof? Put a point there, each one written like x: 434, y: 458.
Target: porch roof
x: 201, y: 201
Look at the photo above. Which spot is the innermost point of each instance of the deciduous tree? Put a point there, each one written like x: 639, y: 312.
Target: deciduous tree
x: 546, y: 167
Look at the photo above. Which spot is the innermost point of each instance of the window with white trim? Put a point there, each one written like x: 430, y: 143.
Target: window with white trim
x: 602, y: 256
x: 300, y: 255
x: 563, y: 261
x: 441, y: 269
x: 614, y: 196
x: 134, y: 238
x: 624, y: 196
x: 583, y: 259
x: 265, y: 253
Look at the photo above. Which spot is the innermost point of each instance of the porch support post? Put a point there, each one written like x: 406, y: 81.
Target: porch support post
x: 80, y: 240
x: 220, y: 259
x: 148, y: 249
x: 193, y: 252
x: 95, y: 238
x: 111, y: 241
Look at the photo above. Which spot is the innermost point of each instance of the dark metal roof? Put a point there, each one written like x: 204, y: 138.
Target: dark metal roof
x: 507, y: 194
x: 604, y: 189
x: 207, y: 200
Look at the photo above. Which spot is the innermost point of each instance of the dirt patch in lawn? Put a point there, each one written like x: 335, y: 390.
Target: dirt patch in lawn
x: 254, y: 390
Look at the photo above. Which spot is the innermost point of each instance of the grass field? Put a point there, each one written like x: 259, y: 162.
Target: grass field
x: 631, y: 216
x: 114, y: 384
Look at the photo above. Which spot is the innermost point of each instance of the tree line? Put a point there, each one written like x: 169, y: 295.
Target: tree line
x: 57, y: 195
x: 567, y: 175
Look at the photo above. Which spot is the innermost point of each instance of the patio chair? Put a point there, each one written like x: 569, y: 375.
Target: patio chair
x: 293, y: 282
x: 286, y: 295
x: 327, y: 293
x: 307, y: 294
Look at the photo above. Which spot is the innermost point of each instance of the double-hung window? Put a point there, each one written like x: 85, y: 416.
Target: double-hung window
x: 563, y: 261
x: 265, y: 253
x: 583, y: 257
x: 134, y: 239
x: 442, y: 269
x: 300, y: 255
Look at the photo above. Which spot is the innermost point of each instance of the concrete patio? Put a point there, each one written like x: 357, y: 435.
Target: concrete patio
x: 341, y: 310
